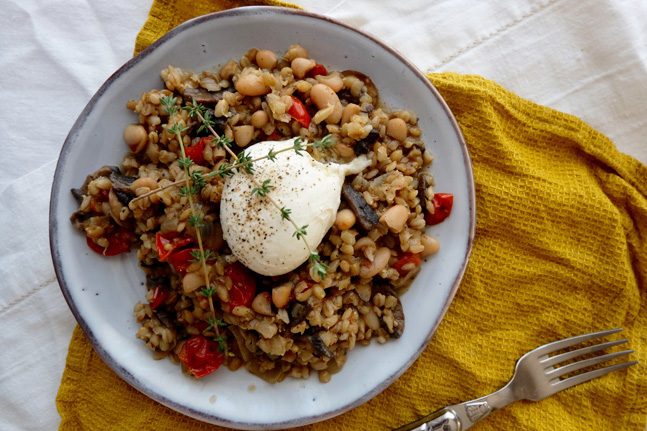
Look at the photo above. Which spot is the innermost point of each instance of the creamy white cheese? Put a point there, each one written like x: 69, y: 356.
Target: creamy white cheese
x: 252, y: 225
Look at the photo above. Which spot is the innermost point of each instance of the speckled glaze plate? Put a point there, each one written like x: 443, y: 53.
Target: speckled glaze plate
x: 101, y: 292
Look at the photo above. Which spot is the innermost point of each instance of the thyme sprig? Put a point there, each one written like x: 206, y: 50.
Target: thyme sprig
x: 194, y: 181
x: 193, y: 184
x: 226, y: 169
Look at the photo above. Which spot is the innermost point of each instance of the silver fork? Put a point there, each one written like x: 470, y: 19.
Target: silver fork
x: 535, y: 378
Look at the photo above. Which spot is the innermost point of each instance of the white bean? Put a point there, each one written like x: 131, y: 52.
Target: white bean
x: 397, y: 129
x: 431, y: 245
x: 243, y: 135
x: 381, y: 259
x: 333, y: 81
x: 300, y: 66
x: 251, y: 85
x: 323, y: 97
x: 266, y: 59
x: 345, y: 219
x: 395, y: 218
x: 259, y: 119
x: 136, y: 137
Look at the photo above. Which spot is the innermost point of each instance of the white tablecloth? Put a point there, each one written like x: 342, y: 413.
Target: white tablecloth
x: 586, y: 57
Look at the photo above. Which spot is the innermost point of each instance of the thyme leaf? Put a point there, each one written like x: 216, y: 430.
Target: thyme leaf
x: 207, y: 291
x: 263, y: 190
x: 169, y: 104
x: 285, y: 213
x: 206, y: 255
x: 318, y: 267
x: 195, y: 109
x: 185, y: 162
x: 300, y: 232
x: 196, y: 220
x: 271, y: 155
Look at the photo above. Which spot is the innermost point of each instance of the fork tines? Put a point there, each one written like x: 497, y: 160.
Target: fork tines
x: 556, y: 373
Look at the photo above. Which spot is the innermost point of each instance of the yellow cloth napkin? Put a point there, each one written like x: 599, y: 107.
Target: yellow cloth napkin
x: 560, y: 250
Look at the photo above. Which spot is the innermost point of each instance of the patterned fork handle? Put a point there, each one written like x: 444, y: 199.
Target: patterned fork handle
x: 535, y: 378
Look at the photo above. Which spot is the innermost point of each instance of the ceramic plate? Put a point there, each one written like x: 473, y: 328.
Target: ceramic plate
x: 101, y: 292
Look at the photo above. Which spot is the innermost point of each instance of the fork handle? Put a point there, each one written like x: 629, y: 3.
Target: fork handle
x: 444, y: 419
x: 460, y: 417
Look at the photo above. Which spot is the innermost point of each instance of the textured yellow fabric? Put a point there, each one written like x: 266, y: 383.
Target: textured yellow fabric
x: 168, y: 14
x: 560, y: 250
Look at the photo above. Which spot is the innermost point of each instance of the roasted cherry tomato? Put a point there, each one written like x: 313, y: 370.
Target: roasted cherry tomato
x: 196, y: 152
x: 298, y: 112
x: 275, y: 136
x: 181, y: 259
x: 443, y: 203
x: 159, y: 296
x: 317, y: 70
x: 243, y: 289
x: 201, y: 356
x: 118, y: 242
x: 200, y: 325
x: 407, y: 258
x: 174, y: 239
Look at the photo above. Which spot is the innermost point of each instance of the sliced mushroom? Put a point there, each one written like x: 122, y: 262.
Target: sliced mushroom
x: 164, y: 318
x: 425, y: 179
x: 78, y: 195
x: 200, y: 95
x: 320, y: 346
x: 121, y: 187
x: 366, y: 144
x: 103, y: 171
x: 152, y: 281
x: 365, y: 214
x: 398, y: 311
x: 79, y: 217
x: 298, y: 313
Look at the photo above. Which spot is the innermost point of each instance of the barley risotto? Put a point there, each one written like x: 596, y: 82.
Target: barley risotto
x: 278, y: 210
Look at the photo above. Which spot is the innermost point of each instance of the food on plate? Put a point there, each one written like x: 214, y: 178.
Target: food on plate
x: 278, y: 210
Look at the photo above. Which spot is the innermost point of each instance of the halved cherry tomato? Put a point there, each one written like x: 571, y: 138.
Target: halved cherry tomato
x: 298, y: 112
x: 196, y: 152
x: 176, y: 242
x: 243, y: 290
x: 317, y: 70
x: 275, y: 136
x: 201, y: 356
x: 181, y: 260
x: 118, y: 242
x: 159, y: 296
x: 200, y: 325
x: 443, y: 203
x: 406, y: 258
